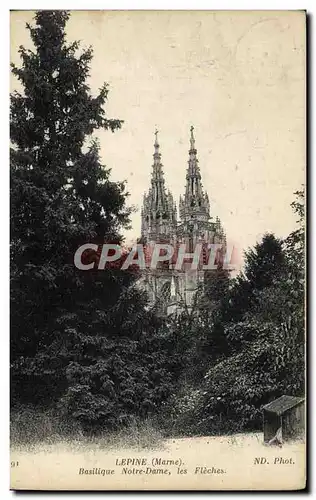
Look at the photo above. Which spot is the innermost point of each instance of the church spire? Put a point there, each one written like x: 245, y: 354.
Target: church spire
x: 193, y: 169
x: 194, y: 204
x: 158, y: 214
x: 157, y: 178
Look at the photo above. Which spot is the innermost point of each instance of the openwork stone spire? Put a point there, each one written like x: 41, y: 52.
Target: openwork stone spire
x: 158, y: 212
x: 195, y: 203
x: 169, y: 288
x: 157, y: 180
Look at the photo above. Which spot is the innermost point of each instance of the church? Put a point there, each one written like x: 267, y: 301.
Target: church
x: 171, y: 289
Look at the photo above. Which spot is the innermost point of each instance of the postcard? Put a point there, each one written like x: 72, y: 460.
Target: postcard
x: 158, y: 166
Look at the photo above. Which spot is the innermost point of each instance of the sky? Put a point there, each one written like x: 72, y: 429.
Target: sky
x: 237, y: 76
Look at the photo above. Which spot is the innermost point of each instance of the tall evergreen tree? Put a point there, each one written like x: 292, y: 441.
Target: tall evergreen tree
x: 61, y: 197
x: 82, y: 341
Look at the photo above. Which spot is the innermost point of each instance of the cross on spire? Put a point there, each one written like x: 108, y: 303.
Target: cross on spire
x: 192, y: 140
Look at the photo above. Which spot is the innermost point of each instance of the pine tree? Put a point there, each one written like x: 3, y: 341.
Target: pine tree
x: 83, y: 342
x: 61, y: 198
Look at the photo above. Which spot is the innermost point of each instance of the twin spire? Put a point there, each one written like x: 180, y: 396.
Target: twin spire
x: 193, y: 169
x: 159, y: 212
x: 192, y: 141
x: 194, y: 202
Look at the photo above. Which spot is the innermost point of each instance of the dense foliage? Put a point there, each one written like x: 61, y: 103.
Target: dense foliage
x: 80, y: 340
x: 85, y: 344
x: 263, y: 319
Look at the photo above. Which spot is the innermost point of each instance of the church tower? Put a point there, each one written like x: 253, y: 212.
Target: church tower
x: 196, y: 225
x: 169, y: 288
x: 159, y: 213
x: 158, y: 225
x: 194, y: 206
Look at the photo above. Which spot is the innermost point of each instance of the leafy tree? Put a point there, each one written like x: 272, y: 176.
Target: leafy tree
x: 121, y: 375
x: 263, y: 264
x: 266, y: 357
x: 81, y: 338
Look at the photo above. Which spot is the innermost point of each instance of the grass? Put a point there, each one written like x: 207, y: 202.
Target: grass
x: 30, y: 428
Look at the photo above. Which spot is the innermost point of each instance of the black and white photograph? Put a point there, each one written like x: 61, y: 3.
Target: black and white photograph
x: 157, y: 250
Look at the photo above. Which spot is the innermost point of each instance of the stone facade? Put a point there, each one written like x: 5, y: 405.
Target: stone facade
x: 171, y: 289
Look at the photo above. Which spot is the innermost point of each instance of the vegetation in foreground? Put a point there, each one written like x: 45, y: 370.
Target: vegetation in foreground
x: 88, y: 356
